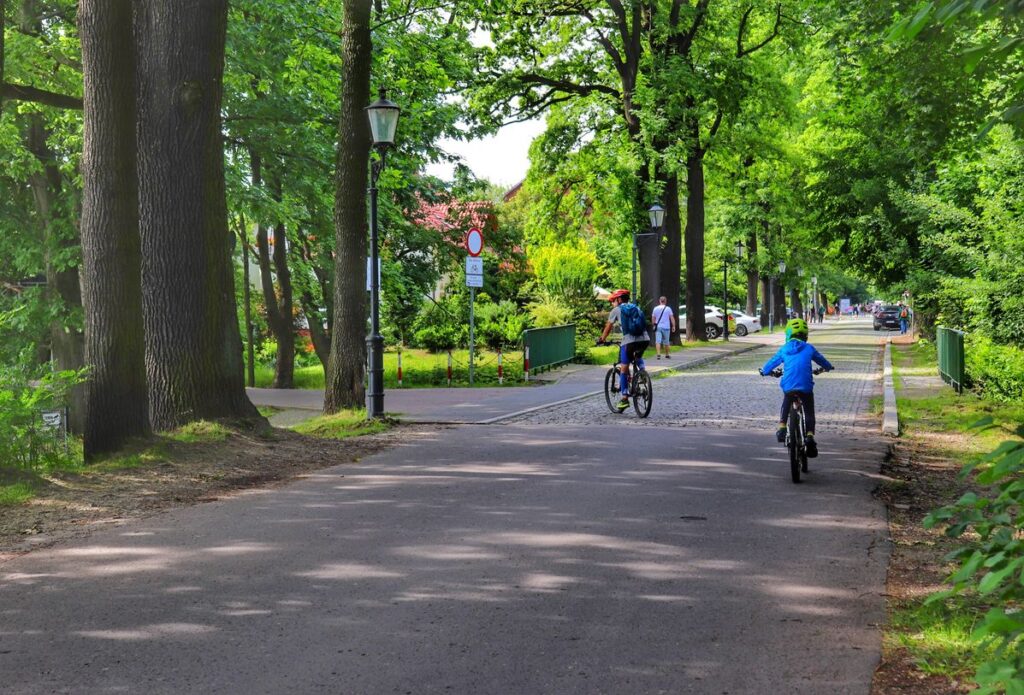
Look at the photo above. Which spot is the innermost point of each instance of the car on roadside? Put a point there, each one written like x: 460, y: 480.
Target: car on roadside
x: 745, y: 323
x: 713, y: 324
x: 887, y: 317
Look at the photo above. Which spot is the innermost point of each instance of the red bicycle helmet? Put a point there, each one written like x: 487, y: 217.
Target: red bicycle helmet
x: 618, y: 293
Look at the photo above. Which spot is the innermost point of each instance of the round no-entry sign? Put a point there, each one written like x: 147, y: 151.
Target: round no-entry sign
x: 474, y: 242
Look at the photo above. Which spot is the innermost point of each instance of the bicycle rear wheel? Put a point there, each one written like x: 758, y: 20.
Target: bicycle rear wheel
x: 794, y: 445
x: 643, y: 393
x: 611, y: 389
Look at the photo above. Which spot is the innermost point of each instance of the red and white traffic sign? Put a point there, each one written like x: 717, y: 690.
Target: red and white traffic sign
x: 474, y: 242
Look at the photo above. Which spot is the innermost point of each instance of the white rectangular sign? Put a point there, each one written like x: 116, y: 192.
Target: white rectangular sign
x: 474, y: 266
x: 474, y: 281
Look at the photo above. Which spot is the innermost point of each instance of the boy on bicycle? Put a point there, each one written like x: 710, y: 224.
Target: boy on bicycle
x: 634, y: 338
x: 795, y: 356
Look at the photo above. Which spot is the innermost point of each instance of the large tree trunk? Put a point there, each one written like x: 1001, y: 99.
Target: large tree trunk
x: 795, y: 301
x: 752, y: 275
x: 694, y: 240
x: 65, y: 338
x: 116, y: 402
x: 672, y: 251
x: 346, y: 368
x: 193, y: 347
x: 780, y: 302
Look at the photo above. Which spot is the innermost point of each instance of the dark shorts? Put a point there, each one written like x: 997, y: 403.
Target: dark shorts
x: 630, y: 351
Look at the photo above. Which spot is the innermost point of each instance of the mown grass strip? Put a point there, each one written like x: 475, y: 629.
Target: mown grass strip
x: 343, y: 425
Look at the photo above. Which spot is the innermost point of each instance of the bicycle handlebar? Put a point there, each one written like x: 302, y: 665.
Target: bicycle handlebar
x: 777, y: 373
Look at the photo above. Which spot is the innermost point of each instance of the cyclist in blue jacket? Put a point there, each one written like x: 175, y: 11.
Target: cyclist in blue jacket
x: 796, y: 356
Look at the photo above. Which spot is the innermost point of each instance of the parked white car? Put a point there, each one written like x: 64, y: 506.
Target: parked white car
x: 745, y: 323
x: 712, y: 321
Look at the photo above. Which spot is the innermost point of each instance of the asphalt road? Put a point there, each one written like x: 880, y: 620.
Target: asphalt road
x: 527, y: 558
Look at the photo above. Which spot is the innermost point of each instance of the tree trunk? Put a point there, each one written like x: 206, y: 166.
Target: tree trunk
x: 277, y: 300
x: 116, y: 401
x: 193, y: 346
x: 780, y: 303
x: 66, y: 340
x: 795, y: 301
x: 346, y: 366
x: 766, y: 299
x: 752, y: 275
x: 672, y: 251
x: 694, y: 241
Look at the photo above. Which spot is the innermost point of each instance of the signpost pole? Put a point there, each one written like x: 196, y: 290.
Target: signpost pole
x: 472, y: 341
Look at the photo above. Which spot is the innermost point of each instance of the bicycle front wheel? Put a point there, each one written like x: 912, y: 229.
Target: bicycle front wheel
x: 643, y: 393
x: 611, y: 389
x: 795, y: 435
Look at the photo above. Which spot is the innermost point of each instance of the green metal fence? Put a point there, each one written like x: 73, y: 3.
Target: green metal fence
x: 544, y: 348
x: 950, y: 344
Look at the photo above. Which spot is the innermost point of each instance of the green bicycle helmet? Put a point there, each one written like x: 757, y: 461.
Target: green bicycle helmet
x: 796, y: 328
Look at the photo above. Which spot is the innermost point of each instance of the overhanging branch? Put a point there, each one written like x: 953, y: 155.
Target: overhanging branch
x: 19, y: 92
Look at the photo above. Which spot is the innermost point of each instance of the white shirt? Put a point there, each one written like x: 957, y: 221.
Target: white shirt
x: 661, y: 317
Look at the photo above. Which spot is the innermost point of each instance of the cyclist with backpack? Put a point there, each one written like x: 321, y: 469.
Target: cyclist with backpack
x: 796, y: 356
x: 634, y: 337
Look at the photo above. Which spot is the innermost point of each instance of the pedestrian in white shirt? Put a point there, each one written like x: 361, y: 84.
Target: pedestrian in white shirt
x: 664, y: 320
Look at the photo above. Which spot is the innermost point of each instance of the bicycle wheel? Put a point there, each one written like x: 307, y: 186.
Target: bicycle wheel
x: 643, y: 393
x: 793, y: 444
x: 611, y: 389
x: 801, y: 445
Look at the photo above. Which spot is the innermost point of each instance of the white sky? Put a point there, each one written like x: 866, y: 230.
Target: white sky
x: 501, y: 159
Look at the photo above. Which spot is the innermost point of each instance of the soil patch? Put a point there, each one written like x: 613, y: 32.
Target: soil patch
x: 174, y: 474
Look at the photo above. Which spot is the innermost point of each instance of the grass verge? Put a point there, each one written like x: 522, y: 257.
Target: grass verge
x: 928, y: 646
x: 343, y: 425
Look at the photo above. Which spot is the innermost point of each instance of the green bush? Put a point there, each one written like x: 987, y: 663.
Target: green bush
x: 567, y: 272
x: 991, y: 564
x: 24, y: 441
x: 995, y: 370
x: 499, y: 325
x: 441, y: 326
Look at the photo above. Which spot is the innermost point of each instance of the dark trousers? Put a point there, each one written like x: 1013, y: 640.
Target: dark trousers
x: 807, y: 397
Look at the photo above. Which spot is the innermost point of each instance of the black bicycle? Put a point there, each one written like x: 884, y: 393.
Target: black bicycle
x: 639, y: 388
x: 796, y: 430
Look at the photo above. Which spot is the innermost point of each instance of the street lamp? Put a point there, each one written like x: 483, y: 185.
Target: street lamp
x: 383, y: 115
x: 725, y: 289
x: 656, y: 213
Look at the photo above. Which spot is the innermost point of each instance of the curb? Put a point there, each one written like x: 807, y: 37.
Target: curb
x: 674, y: 368
x: 890, y: 418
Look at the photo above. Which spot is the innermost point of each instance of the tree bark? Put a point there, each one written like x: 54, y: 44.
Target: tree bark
x: 795, y: 301
x: 193, y: 346
x: 780, y: 303
x: 694, y: 240
x: 346, y: 366
x: 116, y: 400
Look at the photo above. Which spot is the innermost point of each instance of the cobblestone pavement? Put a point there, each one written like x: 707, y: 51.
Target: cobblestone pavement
x: 730, y: 394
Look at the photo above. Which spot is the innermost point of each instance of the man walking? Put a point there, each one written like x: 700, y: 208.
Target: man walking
x: 664, y: 320
x: 904, y: 315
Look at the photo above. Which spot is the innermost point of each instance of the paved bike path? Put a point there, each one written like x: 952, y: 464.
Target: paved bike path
x: 482, y: 405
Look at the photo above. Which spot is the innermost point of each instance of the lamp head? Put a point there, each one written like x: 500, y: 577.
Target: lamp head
x: 657, y: 215
x: 383, y: 116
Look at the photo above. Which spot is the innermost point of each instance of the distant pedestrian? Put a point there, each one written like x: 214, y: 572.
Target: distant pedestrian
x: 904, y: 315
x: 664, y: 320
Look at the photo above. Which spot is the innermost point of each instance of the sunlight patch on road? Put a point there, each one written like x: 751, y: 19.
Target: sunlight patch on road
x: 348, y: 571
x: 156, y: 631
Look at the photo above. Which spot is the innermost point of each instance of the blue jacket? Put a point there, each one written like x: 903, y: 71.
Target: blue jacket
x: 796, y: 357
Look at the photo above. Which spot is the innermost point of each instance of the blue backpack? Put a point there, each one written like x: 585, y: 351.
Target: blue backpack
x: 632, y: 320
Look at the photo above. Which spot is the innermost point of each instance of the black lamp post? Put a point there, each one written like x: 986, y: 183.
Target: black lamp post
x: 657, y: 215
x: 383, y: 116
x: 725, y: 289
x: 814, y: 295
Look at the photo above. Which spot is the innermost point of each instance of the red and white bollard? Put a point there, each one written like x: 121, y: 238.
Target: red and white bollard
x: 449, y: 367
x: 526, y: 363
x: 501, y: 375
x: 399, y: 368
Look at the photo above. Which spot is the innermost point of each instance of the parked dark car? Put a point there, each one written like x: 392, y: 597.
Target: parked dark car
x: 888, y: 317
